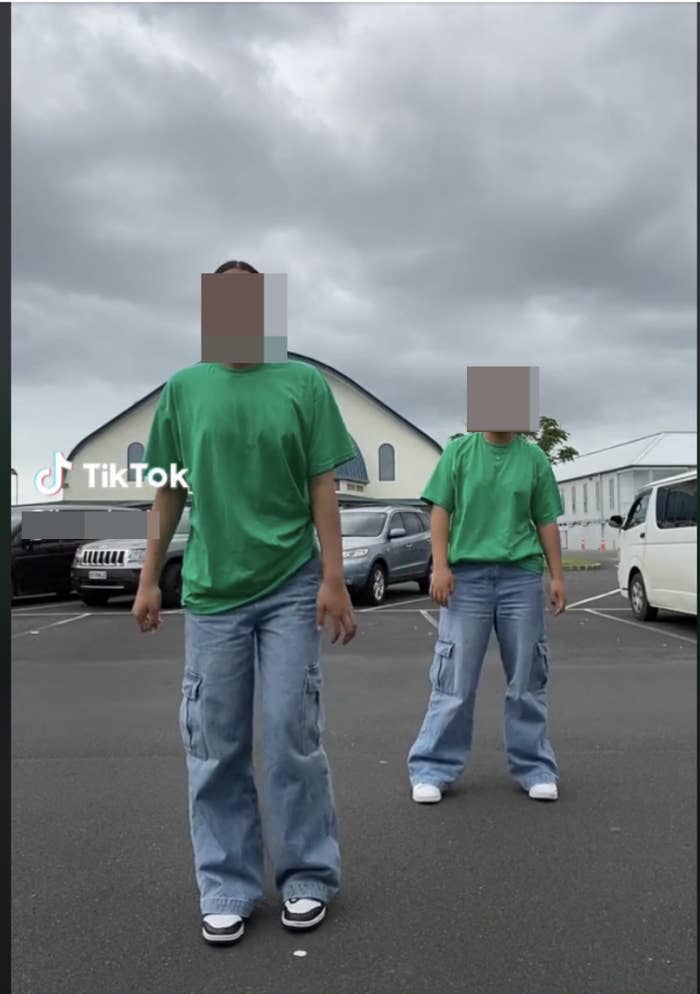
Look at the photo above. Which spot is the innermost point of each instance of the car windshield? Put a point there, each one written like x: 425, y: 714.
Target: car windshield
x: 362, y: 525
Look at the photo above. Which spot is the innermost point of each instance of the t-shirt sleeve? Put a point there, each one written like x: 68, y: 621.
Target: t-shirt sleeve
x: 163, y: 448
x: 330, y: 445
x: 546, y: 504
x: 440, y: 488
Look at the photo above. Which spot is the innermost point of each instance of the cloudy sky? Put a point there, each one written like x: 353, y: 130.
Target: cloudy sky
x: 444, y: 185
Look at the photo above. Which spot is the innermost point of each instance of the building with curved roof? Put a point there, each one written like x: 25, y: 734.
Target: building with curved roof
x: 393, y: 458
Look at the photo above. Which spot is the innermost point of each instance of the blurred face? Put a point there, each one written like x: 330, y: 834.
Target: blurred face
x: 239, y: 272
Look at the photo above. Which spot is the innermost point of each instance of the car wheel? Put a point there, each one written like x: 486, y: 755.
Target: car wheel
x: 171, y: 586
x: 424, y: 583
x: 641, y: 608
x: 94, y: 598
x: 375, y: 588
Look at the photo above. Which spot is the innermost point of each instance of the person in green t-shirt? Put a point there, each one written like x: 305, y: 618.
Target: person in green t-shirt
x: 259, y: 444
x: 495, y: 504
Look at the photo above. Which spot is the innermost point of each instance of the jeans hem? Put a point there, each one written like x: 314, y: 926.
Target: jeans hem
x: 310, y: 889
x: 531, y: 781
x: 430, y: 781
x: 227, y: 905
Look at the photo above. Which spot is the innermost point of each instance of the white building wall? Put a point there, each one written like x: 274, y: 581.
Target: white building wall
x: 370, y: 426
x: 109, y: 446
x: 589, y: 529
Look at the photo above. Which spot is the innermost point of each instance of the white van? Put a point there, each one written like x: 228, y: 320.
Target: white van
x: 658, y: 548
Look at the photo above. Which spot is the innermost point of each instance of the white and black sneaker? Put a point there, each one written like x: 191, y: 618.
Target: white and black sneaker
x: 222, y: 928
x: 303, y: 912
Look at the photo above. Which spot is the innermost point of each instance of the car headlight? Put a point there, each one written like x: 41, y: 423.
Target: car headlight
x: 78, y: 557
x: 135, y: 555
x: 355, y: 553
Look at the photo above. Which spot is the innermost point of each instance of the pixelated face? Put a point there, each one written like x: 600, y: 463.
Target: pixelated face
x: 244, y: 320
x: 503, y: 398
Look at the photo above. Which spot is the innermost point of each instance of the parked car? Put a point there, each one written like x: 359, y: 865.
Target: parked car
x: 43, y: 566
x: 382, y: 546
x: 658, y: 548
x: 112, y: 567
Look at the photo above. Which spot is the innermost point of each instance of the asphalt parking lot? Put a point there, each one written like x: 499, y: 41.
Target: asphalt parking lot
x: 487, y: 893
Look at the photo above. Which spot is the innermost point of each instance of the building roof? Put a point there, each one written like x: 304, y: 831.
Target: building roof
x: 666, y: 448
x: 292, y: 355
x: 354, y: 470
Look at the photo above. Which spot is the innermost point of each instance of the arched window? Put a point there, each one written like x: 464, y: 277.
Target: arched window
x: 387, y: 462
x: 134, y: 453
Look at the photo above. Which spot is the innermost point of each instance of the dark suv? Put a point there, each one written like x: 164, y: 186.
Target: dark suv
x: 43, y: 566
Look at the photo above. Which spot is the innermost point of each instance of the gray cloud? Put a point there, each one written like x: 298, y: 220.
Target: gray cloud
x: 443, y: 184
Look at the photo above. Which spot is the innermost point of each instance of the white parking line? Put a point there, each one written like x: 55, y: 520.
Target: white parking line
x: 429, y: 617
x: 643, y: 626
x: 381, y: 607
x: 43, y: 614
x: 597, y: 597
x: 35, y: 610
x: 582, y: 610
x: 54, y: 624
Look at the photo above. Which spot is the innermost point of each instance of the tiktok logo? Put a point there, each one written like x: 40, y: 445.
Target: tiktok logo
x: 49, y: 480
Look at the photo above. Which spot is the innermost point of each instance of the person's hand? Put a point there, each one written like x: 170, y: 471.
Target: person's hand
x: 442, y: 585
x: 557, y: 596
x: 334, y: 601
x: 146, y: 608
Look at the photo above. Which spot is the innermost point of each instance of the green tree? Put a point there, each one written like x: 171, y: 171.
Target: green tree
x: 550, y: 437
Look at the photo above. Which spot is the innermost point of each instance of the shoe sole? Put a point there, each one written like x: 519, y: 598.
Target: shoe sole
x: 427, y: 800
x: 543, y: 797
x: 222, y: 940
x: 311, y: 923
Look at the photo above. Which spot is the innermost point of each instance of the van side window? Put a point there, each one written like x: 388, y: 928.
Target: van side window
x: 638, y: 511
x: 676, y: 506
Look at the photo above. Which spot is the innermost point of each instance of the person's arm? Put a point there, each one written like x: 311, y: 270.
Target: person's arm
x: 326, y: 515
x: 440, y: 493
x: 164, y: 516
x: 162, y: 449
x: 333, y: 597
x: 439, y: 535
x: 546, y: 508
x: 328, y: 445
x: 551, y: 544
x: 166, y: 512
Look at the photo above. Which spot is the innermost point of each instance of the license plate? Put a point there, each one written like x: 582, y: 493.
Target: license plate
x: 97, y: 574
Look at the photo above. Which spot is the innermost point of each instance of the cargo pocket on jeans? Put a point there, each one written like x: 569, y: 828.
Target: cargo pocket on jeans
x: 442, y: 672
x: 312, y: 712
x: 539, y: 675
x: 191, y: 721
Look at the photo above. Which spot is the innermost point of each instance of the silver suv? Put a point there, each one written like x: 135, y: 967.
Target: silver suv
x: 381, y: 546
x: 385, y: 545
x: 112, y: 567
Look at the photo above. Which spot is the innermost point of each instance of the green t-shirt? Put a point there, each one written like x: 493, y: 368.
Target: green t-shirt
x: 250, y: 440
x: 496, y: 495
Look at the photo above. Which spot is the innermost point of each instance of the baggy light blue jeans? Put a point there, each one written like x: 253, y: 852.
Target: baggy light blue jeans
x: 216, y: 723
x: 511, y: 600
